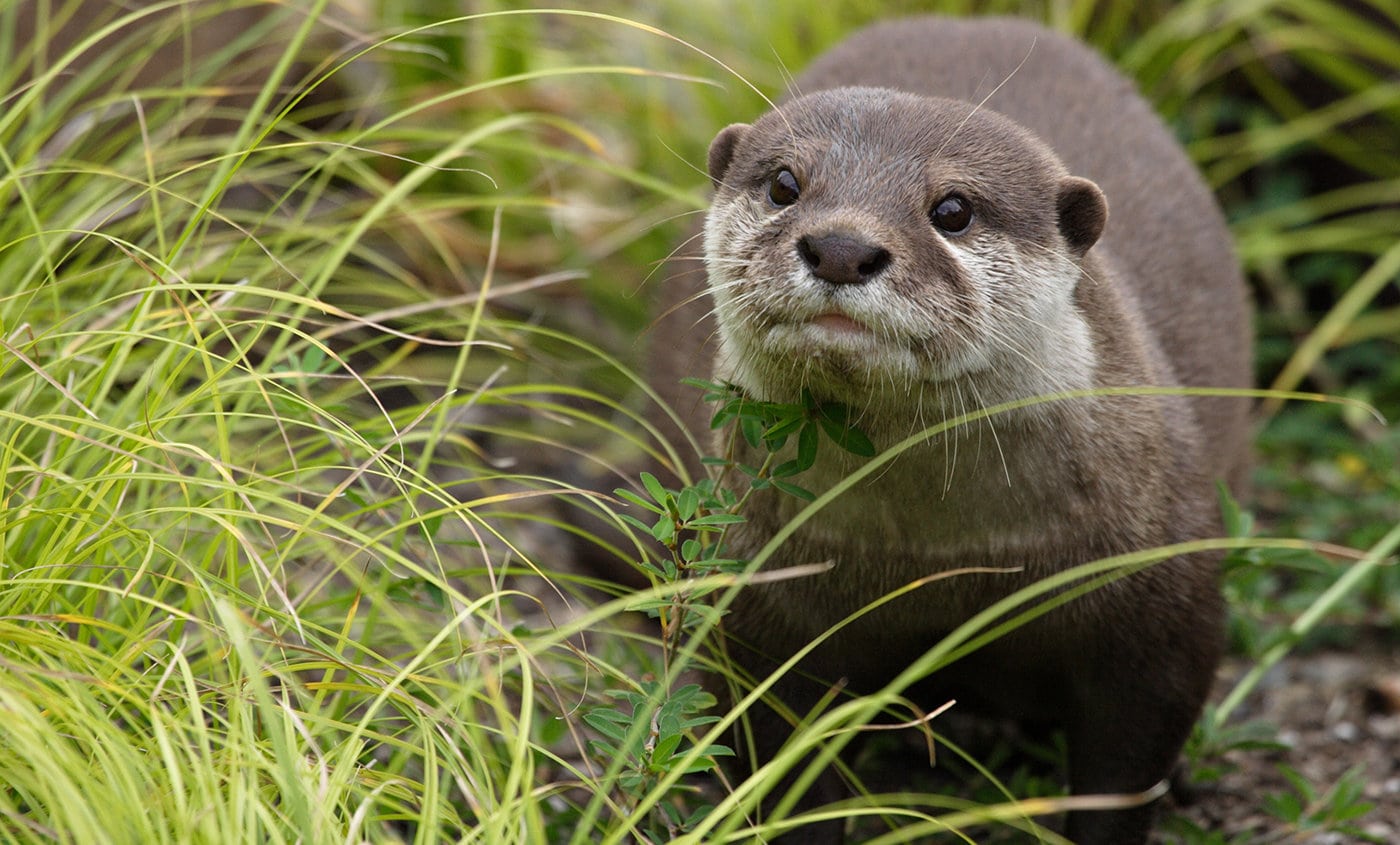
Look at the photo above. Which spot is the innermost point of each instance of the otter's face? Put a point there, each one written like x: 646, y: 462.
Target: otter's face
x: 867, y: 244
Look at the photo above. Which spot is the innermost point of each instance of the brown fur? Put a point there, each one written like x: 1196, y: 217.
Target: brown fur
x: 1153, y: 298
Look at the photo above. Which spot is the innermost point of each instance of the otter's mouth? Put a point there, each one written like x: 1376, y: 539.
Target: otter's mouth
x: 837, y: 322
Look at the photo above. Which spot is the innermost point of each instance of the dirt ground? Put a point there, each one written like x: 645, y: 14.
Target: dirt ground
x: 1333, y: 712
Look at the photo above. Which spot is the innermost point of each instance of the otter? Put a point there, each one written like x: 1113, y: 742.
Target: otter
x: 951, y: 214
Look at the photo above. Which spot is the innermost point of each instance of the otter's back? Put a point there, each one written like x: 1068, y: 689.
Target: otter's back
x: 1165, y: 233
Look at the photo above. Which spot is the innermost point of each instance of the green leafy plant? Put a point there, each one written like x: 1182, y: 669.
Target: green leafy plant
x: 653, y: 741
x: 1212, y: 739
x: 689, y: 524
x: 1333, y: 810
x: 768, y: 425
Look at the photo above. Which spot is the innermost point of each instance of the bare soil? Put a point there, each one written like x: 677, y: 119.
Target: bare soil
x: 1333, y: 712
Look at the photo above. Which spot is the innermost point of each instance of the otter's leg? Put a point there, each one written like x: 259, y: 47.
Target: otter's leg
x: 768, y: 732
x: 1132, y: 718
x: 771, y: 731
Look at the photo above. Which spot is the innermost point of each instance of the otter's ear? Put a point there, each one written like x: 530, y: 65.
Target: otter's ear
x: 722, y: 150
x: 1083, y: 212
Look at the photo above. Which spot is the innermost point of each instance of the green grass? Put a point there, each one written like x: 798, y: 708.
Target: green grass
x: 301, y: 396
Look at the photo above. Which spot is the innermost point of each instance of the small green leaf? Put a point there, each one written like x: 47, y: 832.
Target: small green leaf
x: 793, y: 490
x: 722, y: 418
x: 665, y: 748
x: 551, y: 730
x: 629, y: 496
x: 706, y: 385
x: 664, y: 530
x: 707, y: 763
x: 603, y: 750
x: 1238, y: 522
x: 634, y: 522
x: 717, y: 519
x: 608, y: 723
x: 691, y: 549
x: 658, y: 493
x: 700, y: 814
x: 807, y: 440
x: 752, y: 430
x: 649, y: 606
x: 313, y: 359
x: 1299, y: 782
x: 649, y: 567
x: 687, y: 503
x: 833, y: 420
x: 726, y: 565
x: 697, y: 721
x: 783, y: 428
x: 1285, y: 806
x: 1351, y: 811
x: 786, y: 469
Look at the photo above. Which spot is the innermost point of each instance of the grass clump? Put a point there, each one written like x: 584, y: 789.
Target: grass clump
x: 300, y: 425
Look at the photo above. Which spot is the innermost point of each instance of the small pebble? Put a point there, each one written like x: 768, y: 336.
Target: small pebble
x: 1383, y: 694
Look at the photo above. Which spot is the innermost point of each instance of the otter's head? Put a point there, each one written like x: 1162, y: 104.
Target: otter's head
x: 870, y: 245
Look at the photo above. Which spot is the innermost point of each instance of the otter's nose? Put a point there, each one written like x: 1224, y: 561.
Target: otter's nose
x: 842, y: 259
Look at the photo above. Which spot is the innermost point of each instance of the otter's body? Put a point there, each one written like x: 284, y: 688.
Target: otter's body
x: 890, y: 241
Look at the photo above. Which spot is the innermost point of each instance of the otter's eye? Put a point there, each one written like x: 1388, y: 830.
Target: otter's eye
x: 952, y: 215
x: 783, y: 188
